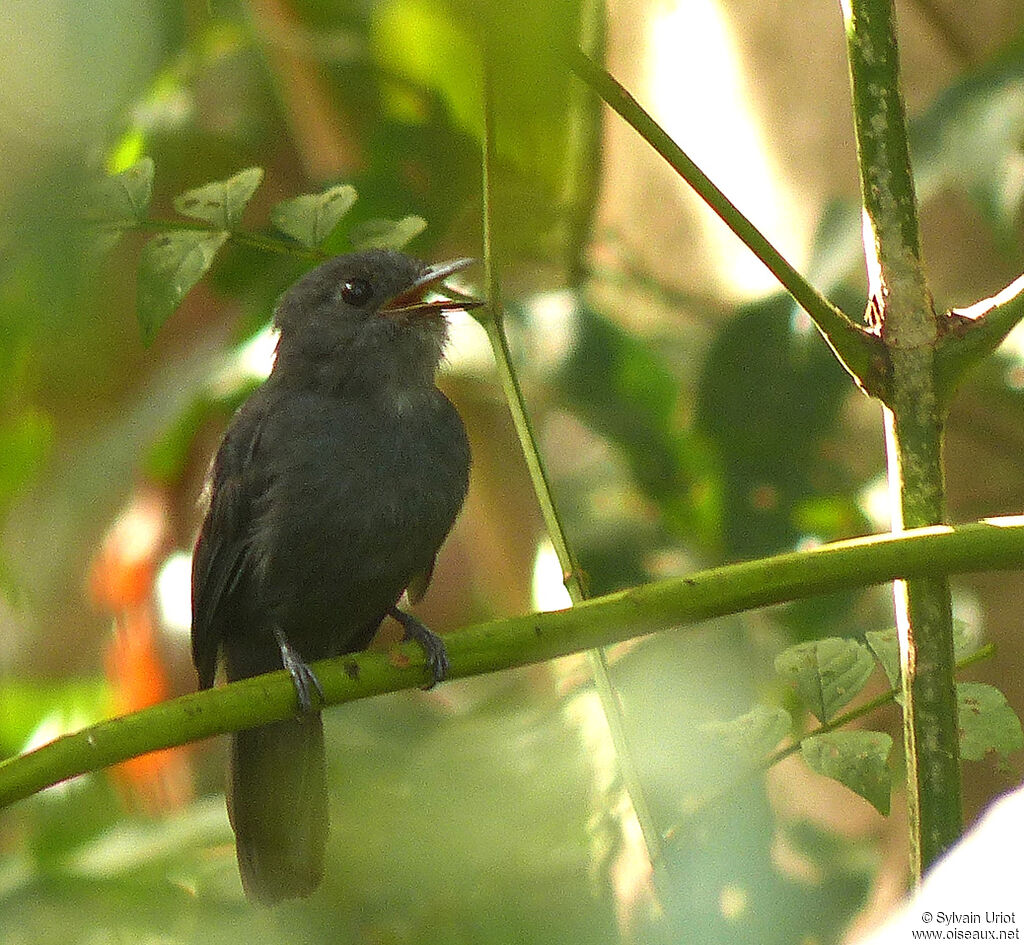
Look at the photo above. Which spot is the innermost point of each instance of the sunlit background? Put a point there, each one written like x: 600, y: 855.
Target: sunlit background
x: 687, y: 414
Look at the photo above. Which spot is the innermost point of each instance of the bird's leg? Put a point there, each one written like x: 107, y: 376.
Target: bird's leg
x: 433, y: 645
x: 302, y: 674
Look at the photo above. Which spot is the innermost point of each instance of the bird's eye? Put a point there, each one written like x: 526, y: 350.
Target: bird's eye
x: 356, y: 292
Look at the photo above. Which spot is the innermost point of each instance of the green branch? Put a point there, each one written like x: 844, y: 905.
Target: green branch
x: 910, y: 331
x: 533, y: 638
x: 973, y: 333
x: 857, y: 350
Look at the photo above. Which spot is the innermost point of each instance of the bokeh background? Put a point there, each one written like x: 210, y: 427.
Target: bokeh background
x: 688, y: 416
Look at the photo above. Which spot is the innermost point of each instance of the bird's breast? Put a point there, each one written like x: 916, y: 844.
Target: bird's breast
x: 356, y: 497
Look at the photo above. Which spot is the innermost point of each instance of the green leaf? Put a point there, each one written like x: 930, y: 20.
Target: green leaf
x: 857, y: 759
x: 221, y: 202
x: 117, y: 202
x: 422, y: 39
x: 170, y: 265
x: 828, y: 673
x: 753, y: 735
x: 105, y: 236
x: 886, y: 647
x: 966, y: 639
x: 987, y: 723
x: 386, y: 234
x: 124, y: 197
x: 311, y: 218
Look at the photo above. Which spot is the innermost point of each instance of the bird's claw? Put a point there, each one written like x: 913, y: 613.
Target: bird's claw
x: 433, y: 646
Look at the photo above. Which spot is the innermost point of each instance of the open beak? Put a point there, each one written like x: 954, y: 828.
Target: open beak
x: 413, y: 301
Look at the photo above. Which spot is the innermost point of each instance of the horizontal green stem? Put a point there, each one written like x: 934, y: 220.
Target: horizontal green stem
x: 533, y: 638
x: 858, y: 350
x: 269, y: 244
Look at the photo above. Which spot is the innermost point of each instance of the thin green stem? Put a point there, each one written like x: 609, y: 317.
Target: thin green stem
x: 571, y: 572
x: 532, y: 638
x: 268, y: 244
x: 857, y: 349
x: 910, y: 331
x: 492, y: 316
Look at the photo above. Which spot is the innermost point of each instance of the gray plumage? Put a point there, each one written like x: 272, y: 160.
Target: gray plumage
x: 334, y: 487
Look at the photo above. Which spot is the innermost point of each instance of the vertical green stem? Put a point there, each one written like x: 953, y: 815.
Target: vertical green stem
x: 572, y: 575
x: 913, y: 421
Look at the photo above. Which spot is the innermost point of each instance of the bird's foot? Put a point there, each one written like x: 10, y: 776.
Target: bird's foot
x: 302, y: 674
x: 433, y: 645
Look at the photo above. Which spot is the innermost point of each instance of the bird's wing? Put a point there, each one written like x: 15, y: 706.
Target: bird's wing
x: 221, y: 558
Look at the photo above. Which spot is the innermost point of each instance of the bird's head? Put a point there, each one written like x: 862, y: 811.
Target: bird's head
x: 374, y: 317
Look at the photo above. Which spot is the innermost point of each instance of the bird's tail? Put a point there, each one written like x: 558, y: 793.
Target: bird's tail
x: 278, y: 807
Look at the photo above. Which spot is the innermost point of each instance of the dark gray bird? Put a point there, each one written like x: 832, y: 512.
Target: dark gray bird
x: 334, y: 487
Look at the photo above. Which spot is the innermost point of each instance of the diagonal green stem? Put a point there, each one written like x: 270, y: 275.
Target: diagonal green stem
x: 571, y: 572
x: 857, y: 350
x: 532, y: 638
x: 975, y: 332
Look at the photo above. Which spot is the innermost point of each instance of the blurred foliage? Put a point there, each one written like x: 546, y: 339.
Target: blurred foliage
x: 625, y: 392
x: 768, y: 398
x: 679, y: 432
x: 407, y: 864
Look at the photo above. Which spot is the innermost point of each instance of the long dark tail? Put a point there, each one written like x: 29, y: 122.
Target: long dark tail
x: 278, y: 808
